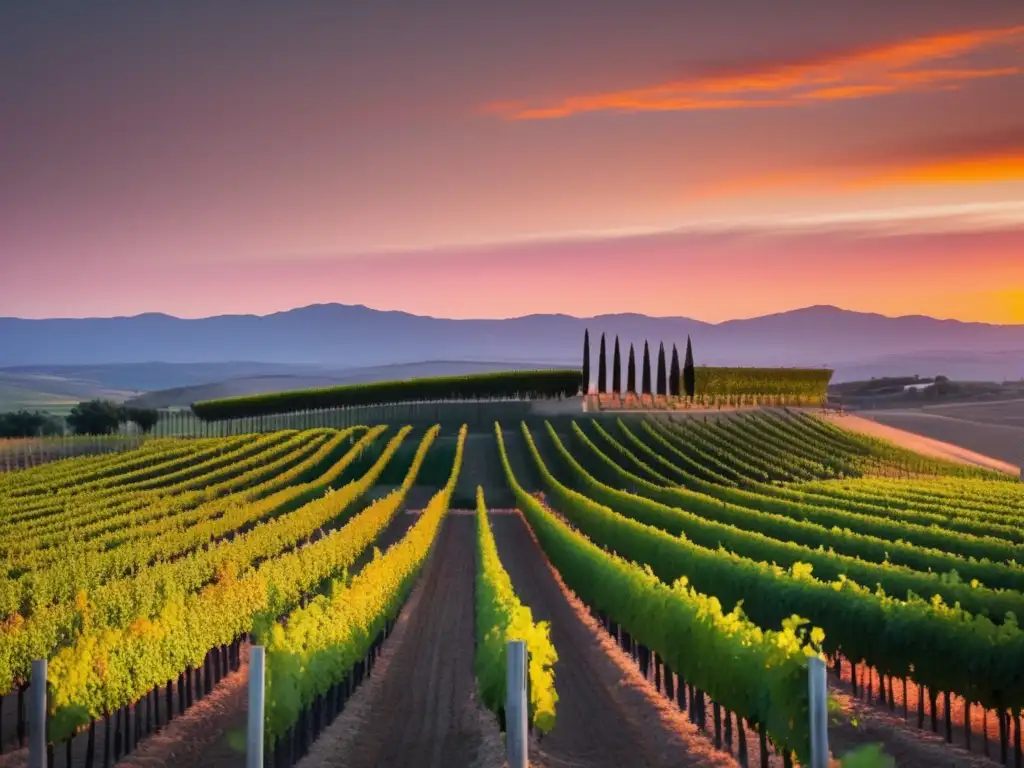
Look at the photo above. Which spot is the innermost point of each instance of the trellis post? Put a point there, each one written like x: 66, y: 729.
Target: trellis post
x: 818, y: 699
x: 254, y: 730
x: 515, y: 703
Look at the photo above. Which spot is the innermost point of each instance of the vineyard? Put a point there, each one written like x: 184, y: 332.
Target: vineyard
x: 671, y: 575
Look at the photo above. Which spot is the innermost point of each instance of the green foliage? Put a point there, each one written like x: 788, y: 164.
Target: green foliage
x: 500, y: 617
x: 868, y: 756
x: 112, y: 588
x: 674, y: 374
x: 777, y: 538
x: 103, y: 417
x: 602, y: 369
x: 545, y: 383
x: 29, y: 424
x: 119, y: 552
x: 144, y: 418
x: 616, y: 369
x: 780, y: 512
x: 108, y: 667
x: 662, y: 379
x: 631, y: 372
x: 645, y: 383
x: 586, y: 362
x: 760, y: 675
x: 943, y: 647
x: 689, y: 375
x: 879, y: 454
x: 317, y: 646
x: 96, y: 417
x: 810, y: 384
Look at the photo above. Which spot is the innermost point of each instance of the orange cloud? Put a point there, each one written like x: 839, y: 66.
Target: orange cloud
x: 1001, y: 161
x: 864, y: 73
x: 931, y: 76
x: 969, y: 170
x: 843, y: 92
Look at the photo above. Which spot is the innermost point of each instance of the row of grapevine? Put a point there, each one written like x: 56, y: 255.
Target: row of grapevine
x: 791, y: 440
x: 92, y: 530
x: 630, y: 401
x: 929, y: 494
x: 760, y: 675
x: 879, y: 449
x: 743, y: 469
x: 316, y: 648
x: 905, y: 542
x: 782, y: 435
x: 945, y: 648
x: 782, y: 541
x: 780, y: 466
x: 67, y: 475
x: 137, y: 563
x: 670, y: 451
x: 34, y: 509
x: 951, y: 515
x: 193, y: 476
x: 119, y: 605
x: 24, y: 454
x: 501, y: 617
x: 107, y: 669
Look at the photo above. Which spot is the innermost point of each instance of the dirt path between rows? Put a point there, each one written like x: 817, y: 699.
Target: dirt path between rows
x: 419, y: 707
x: 210, y: 733
x: 909, y: 744
x: 607, y: 716
x: 919, y: 443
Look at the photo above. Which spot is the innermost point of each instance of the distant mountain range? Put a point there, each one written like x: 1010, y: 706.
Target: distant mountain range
x: 330, y: 338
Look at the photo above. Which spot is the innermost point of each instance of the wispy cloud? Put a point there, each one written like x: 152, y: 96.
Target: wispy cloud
x: 971, y: 158
x: 914, y: 64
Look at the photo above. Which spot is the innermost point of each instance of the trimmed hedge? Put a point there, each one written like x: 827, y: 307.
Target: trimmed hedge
x: 803, y: 382
x: 543, y: 383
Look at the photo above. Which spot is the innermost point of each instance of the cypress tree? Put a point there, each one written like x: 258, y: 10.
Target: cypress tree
x: 674, y: 374
x: 586, y: 361
x: 602, y: 370
x: 631, y: 372
x: 645, y: 383
x: 689, y: 375
x: 662, y: 378
x: 616, y: 369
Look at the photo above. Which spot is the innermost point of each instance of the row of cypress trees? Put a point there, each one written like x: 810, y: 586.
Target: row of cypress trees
x: 673, y: 381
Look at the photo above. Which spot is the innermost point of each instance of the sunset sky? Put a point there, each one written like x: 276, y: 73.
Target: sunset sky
x: 476, y: 158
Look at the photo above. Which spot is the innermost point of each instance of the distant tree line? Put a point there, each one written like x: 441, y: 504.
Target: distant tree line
x: 30, y: 424
x: 671, y: 380
x: 95, y: 417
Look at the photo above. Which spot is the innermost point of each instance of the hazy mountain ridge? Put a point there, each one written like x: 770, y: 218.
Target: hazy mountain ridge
x: 341, y: 338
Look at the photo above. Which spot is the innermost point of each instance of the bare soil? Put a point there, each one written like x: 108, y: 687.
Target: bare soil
x: 984, y: 445
x: 210, y: 734
x: 607, y: 715
x: 419, y: 707
x: 903, y: 738
x: 1007, y: 411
